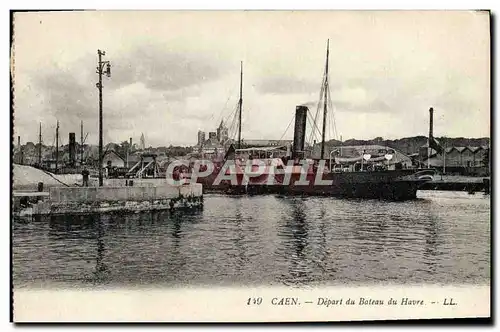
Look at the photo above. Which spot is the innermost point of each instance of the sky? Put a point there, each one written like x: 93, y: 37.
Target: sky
x: 174, y: 73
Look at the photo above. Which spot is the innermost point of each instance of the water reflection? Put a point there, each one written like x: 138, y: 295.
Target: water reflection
x: 238, y: 237
x: 298, y: 228
x: 101, y: 270
x: 73, y: 227
x: 295, y: 244
x: 92, y: 235
x: 432, y: 236
x: 262, y: 240
x: 322, y: 245
x: 89, y: 233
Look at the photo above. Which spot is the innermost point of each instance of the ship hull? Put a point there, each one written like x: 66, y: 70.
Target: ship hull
x: 398, y: 191
x: 396, y: 185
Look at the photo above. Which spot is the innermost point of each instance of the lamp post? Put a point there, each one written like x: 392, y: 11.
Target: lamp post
x: 100, y: 70
x: 332, y: 152
x: 388, y: 156
x: 366, y: 157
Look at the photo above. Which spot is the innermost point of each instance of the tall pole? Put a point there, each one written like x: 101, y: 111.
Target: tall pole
x: 100, y: 70
x: 444, y: 156
x: 341, y: 143
x: 431, y: 124
x: 40, y: 146
x: 57, y: 145
x: 240, y: 105
x: 325, y: 109
x: 81, y: 142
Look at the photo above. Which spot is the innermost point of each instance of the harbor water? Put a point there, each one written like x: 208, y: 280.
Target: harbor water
x: 440, y: 238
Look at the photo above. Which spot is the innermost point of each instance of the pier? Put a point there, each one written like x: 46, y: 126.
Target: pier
x: 459, y: 183
x: 82, y: 200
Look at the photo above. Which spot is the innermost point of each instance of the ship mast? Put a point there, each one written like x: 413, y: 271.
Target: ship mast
x: 81, y: 142
x: 40, y: 147
x: 57, y: 145
x: 325, y: 108
x: 240, y: 105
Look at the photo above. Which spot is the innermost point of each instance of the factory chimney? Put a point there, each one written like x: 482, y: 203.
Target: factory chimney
x: 431, y: 122
x: 72, y: 149
x: 299, y: 131
x: 431, y: 125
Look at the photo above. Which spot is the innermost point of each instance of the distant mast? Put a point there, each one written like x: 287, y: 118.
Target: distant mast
x: 40, y: 147
x: 57, y: 145
x: 325, y: 108
x: 81, y: 142
x: 240, y: 105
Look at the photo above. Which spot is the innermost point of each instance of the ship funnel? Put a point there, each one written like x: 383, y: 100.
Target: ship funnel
x: 299, y: 131
x: 72, y: 149
x: 431, y: 121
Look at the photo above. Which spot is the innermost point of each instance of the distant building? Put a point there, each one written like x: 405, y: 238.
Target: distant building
x: 456, y: 156
x: 18, y: 153
x: 142, y: 142
x: 212, y: 146
x: 201, y: 138
x: 212, y: 135
x: 113, y: 159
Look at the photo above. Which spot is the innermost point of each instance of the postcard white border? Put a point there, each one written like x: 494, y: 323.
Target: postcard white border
x: 5, y: 179
x: 263, y: 304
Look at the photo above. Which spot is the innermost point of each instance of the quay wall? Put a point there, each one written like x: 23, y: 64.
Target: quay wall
x: 455, y: 186
x: 104, y: 194
x: 458, y: 183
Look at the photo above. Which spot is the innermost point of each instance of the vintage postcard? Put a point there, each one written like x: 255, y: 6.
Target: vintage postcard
x: 250, y: 166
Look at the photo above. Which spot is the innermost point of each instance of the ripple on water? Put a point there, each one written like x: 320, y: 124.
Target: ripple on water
x: 442, y: 237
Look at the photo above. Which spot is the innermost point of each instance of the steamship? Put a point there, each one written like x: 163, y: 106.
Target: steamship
x: 299, y: 173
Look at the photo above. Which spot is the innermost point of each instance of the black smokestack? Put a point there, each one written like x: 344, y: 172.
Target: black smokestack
x: 18, y: 141
x: 72, y: 149
x: 431, y: 121
x: 130, y: 141
x: 300, y: 130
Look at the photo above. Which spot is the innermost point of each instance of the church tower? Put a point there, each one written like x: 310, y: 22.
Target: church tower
x: 222, y: 132
x: 143, y: 142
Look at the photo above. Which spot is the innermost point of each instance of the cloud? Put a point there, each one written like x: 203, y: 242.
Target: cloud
x: 172, y: 72
x: 147, y: 81
x: 286, y: 85
x: 377, y: 106
x: 355, y: 95
x: 355, y: 99
x: 65, y: 96
x: 161, y: 69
